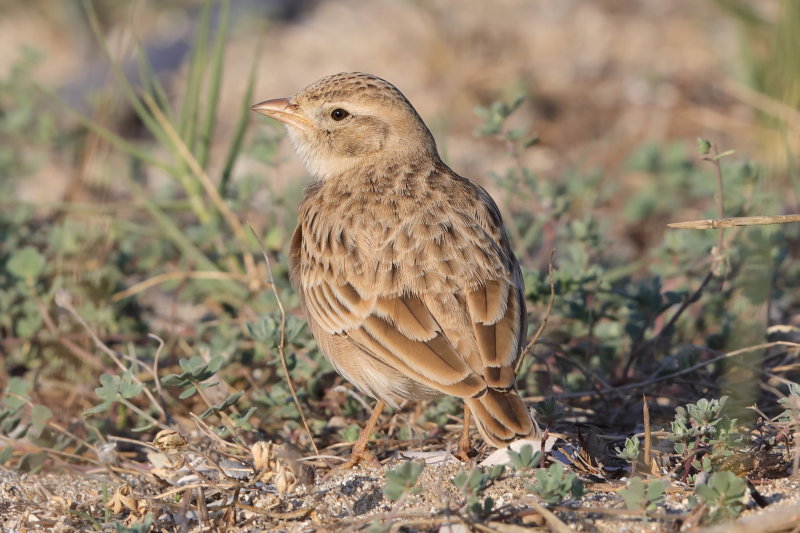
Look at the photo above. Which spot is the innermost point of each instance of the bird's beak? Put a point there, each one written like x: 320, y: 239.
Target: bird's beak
x: 283, y: 110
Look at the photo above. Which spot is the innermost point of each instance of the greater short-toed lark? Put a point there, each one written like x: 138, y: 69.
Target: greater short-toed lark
x: 403, y: 267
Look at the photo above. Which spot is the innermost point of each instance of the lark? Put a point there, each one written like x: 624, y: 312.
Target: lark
x: 403, y: 267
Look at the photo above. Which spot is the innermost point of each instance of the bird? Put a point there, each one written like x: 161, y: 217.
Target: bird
x: 403, y: 267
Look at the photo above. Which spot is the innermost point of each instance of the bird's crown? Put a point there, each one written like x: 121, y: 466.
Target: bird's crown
x: 349, y: 85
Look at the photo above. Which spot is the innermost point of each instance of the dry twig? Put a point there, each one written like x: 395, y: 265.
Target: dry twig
x: 547, y: 312
x: 720, y: 223
x: 281, y: 353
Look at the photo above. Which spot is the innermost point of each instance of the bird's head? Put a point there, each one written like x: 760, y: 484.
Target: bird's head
x: 349, y: 121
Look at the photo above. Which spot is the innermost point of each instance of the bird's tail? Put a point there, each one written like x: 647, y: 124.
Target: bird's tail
x: 501, y: 417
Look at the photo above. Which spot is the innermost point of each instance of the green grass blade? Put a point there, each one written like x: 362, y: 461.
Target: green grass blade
x: 197, y: 63
x: 192, y: 188
x: 742, y: 11
x: 238, y: 137
x: 150, y: 82
x: 212, y: 101
x: 178, y: 237
x: 106, y: 134
x: 179, y: 172
x: 119, y: 74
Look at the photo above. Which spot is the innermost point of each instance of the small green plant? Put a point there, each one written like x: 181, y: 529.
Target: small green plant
x: 525, y: 459
x: 473, y: 483
x: 791, y: 403
x: 351, y: 433
x: 140, y: 527
x: 701, y: 429
x: 401, y: 480
x: 723, y: 494
x: 19, y: 416
x: 195, y: 370
x: 548, y: 412
x: 494, y: 117
x: 643, y: 497
x: 553, y: 486
x: 629, y: 453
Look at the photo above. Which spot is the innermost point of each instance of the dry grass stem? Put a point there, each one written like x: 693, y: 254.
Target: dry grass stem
x: 547, y: 312
x: 735, y: 221
x: 208, y: 186
x: 64, y: 300
x: 554, y: 523
x: 647, y: 434
x: 84, y: 355
x: 764, y: 103
x: 281, y: 343
x: 179, y: 275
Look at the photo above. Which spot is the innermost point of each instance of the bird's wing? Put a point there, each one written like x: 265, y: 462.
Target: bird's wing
x: 398, y: 330
x: 381, y: 294
x: 497, y: 306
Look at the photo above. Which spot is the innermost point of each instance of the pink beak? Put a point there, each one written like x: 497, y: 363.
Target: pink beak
x: 283, y: 110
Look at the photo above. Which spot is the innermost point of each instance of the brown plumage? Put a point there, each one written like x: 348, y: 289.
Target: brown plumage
x: 403, y: 267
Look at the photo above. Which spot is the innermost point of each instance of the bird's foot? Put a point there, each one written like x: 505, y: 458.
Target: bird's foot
x: 463, y: 455
x: 464, y: 450
x: 359, y: 457
x: 464, y: 444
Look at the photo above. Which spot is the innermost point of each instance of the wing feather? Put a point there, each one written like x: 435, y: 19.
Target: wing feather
x: 374, y: 284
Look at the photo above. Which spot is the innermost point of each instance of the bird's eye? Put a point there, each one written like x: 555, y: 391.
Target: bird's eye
x: 339, y: 114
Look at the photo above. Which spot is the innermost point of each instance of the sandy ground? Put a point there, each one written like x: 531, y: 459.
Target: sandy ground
x: 353, y: 500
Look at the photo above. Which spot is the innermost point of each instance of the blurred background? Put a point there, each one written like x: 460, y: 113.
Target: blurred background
x: 600, y: 79
x: 130, y: 170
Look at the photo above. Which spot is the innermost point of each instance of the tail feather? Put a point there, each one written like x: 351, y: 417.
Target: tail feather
x: 501, y: 417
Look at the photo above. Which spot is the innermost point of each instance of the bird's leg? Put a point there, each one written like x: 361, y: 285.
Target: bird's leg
x: 360, y: 453
x: 464, y: 446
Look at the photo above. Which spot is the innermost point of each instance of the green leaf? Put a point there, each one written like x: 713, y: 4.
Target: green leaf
x: 32, y: 462
x: 531, y: 141
x: 227, y: 402
x: 402, y: 479
x: 351, y: 433
x: 655, y: 492
x: 144, y: 427
x: 173, y: 380
x: 526, y: 458
x: 240, y: 421
x: 27, y: 326
x: 703, y: 146
x: 128, y: 387
x: 215, y: 364
x: 109, y: 387
x: 553, y: 486
x: 26, y: 263
x: 634, y: 494
x: 494, y: 472
x: 6, y: 454
x: 97, y: 409
x: 16, y: 393
x: 191, y: 365
x: 723, y: 494
x: 187, y: 392
x: 40, y: 416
